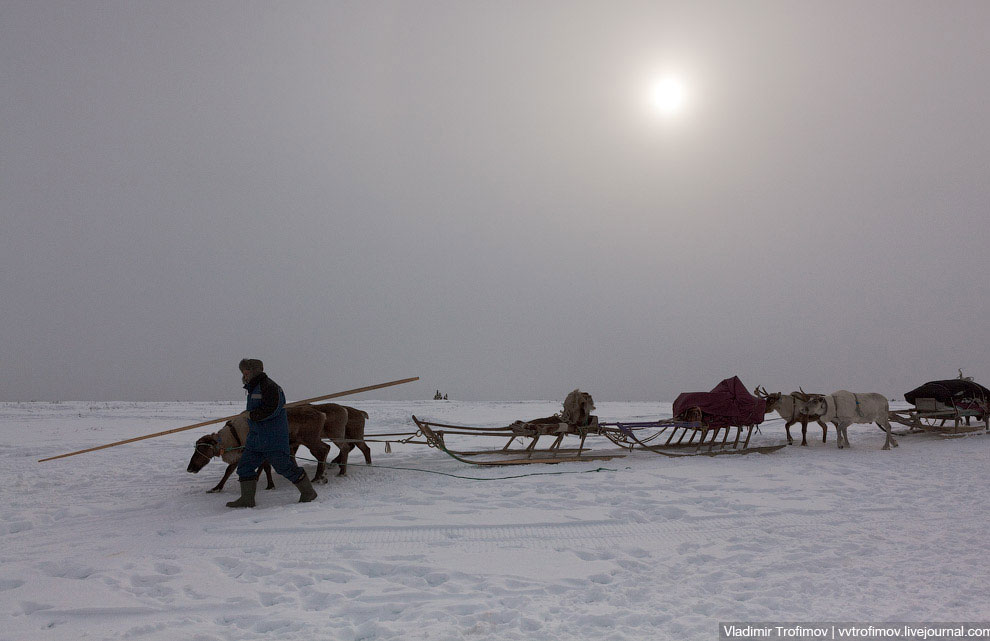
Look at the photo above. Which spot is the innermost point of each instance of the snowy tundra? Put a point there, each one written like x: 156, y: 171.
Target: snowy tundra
x: 123, y: 543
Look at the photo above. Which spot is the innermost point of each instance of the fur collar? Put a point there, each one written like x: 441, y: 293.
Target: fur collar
x: 256, y: 380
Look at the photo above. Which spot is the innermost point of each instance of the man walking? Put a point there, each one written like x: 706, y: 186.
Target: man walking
x: 268, y: 436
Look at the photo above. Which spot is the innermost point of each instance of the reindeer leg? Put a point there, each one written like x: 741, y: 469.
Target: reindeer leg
x: 824, y: 431
x: 226, y: 475
x: 787, y: 426
x: 890, y: 439
x: 366, y: 450
x: 804, y: 432
x: 342, y: 458
x: 321, y: 451
x: 267, y: 467
x: 844, y: 435
x: 886, y: 443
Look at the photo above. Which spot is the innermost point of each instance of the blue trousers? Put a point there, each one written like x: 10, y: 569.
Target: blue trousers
x: 251, y: 460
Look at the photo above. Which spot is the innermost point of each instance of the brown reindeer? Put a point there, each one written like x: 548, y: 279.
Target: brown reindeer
x: 790, y: 407
x: 305, y: 428
x: 344, y: 426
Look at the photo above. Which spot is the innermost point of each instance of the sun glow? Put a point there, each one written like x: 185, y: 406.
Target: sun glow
x: 668, y: 96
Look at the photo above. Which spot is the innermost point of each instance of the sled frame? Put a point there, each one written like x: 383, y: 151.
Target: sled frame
x: 702, y: 439
x: 435, y: 435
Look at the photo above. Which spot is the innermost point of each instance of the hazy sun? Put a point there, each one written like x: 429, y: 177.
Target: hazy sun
x: 668, y: 96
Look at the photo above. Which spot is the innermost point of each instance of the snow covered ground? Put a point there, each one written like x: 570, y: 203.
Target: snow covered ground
x: 125, y: 544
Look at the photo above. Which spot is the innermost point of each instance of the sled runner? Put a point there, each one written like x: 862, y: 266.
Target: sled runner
x: 667, y: 437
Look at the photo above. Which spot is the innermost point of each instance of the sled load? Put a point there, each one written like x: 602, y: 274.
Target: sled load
x: 937, y: 402
x: 575, y: 419
x: 717, y: 422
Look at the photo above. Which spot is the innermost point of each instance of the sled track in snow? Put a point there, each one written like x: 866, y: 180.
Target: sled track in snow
x: 149, y: 527
x: 542, y: 535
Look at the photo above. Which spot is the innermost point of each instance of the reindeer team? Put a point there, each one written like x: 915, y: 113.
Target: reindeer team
x: 308, y: 426
x: 344, y: 427
x: 840, y: 408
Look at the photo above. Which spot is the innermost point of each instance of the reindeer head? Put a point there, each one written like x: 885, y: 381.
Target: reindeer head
x: 814, y: 406
x: 206, y: 448
x: 773, y: 400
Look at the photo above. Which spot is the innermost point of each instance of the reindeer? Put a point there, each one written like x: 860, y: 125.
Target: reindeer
x: 227, y: 444
x: 305, y: 428
x: 790, y: 408
x: 844, y: 408
x: 344, y: 426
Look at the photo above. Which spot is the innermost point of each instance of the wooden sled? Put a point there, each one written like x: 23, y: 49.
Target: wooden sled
x: 702, y: 439
x: 436, y: 433
x: 930, y: 415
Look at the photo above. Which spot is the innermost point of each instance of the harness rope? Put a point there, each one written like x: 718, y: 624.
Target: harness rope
x: 475, y: 478
x: 456, y: 476
x: 233, y: 434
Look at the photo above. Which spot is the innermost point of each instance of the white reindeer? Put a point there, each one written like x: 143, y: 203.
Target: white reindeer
x: 844, y: 408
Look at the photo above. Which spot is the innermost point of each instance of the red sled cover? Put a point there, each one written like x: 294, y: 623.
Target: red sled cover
x: 728, y: 404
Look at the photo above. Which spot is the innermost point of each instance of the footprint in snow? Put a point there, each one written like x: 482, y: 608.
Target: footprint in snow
x: 66, y: 570
x: 10, y: 584
x: 705, y: 487
x: 596, y: 555
x: 18, y: 526
x: 30, y: 607
x: 168, y: 569
x: 318, y: 601
x: 435, y: 578
x: 269, y: 599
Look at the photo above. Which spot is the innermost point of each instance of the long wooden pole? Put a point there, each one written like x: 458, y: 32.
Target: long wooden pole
x: 227, y: 418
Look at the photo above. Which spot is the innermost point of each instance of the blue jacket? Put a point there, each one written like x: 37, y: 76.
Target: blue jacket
x: 268, y: 422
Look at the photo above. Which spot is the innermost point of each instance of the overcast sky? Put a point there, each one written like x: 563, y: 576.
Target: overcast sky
x: 481, y: 194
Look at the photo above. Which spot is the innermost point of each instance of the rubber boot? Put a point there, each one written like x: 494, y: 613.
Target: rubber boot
x: 247, y: 494
x: 306, y: 491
